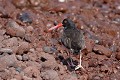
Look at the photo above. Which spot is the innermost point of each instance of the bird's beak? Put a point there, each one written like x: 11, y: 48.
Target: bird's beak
x: 55, y: 27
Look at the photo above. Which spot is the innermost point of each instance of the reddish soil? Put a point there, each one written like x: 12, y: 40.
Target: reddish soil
x: 29, y: 52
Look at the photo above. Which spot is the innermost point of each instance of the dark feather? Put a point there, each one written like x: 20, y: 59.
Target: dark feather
x: 72, y: 38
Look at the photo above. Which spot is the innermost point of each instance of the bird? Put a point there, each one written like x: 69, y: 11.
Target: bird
x: 72, y: 38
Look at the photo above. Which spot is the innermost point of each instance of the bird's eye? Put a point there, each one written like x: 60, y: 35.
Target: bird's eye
x: 65, y: 21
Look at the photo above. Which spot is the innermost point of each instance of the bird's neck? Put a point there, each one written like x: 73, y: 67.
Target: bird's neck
x: 70, y: 27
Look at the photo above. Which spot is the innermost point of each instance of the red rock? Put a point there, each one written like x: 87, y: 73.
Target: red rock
x: 49, y: 64
x: 23, y: 47
x: 2, y: 32
x: 5, y: 74
x: 14, y: 29
x: 32, y: 71
x: 93, y: 63
x: 20, y: 3
x: 15, y: 49
x: 26, y: 78
x: 118, y: 56
x: 96, y: 77
x: 62, y: 69
x: 32, y: 56
x: 3, y: 11
x: 115, y: 76
x: 35, y: 2
x: 102, y: 50
x: 7, y: 61
x: 70, y: 77
x: 29, y: 37
x: 1, y: 38
x: 105, y: 68
x: 12, y: 42
x: 89, y: 45
x: 84, y: 77
x: 50, y: 75
x: 19, y: 57
x: 29, y: 29
x: 50, y: 61
x: 1, y: 45
x: 60, y: 8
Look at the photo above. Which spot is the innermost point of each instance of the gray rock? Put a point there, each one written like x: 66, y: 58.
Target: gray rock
x: 25, y: 17
x: 6, y: 50
x: 25, y: 57
x: 49, y: 49
x: 19, y: 69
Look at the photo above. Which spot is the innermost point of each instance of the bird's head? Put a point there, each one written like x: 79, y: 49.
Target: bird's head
x: 68, y: 23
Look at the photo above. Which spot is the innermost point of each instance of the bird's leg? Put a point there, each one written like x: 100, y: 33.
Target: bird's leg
x: 71, y: 61
x: 69, y: 56
x: 80, y: 65
x: 71, y: 51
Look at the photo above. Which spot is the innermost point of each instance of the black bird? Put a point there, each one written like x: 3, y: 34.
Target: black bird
x: 72, y: 38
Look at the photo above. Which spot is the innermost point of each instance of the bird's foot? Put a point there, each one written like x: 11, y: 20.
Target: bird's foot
x: 79, y: 66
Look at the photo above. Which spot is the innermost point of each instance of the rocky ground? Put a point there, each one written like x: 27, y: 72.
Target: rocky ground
x: 29, y: 52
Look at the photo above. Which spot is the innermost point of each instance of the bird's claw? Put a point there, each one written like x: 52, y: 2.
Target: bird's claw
x: 79, y: 66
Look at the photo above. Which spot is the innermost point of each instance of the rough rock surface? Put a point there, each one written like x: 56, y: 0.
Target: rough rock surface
x: 29, y: 52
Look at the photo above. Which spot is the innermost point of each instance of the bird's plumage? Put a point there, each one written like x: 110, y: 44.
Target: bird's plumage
x: 72, y: 38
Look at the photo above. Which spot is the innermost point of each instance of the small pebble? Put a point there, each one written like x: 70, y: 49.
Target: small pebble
x: 25, y: 57
x: 29, y: 38
x: 3, y: 12
x: 25, y: 17
x: 29, y: 29
x: 61, y: 0
x: 93, y: 63
x: 23, y: 47
x: 2, y: 32
x: 118, y: 56
x: 60, y: 8
x: 20, y: 3
x: 27, y: 78
x: 35, y: 2
x: 19, y: 69
x: 19, y: 57
x: 96, y: 78
x: 50, y: 75
x: 13, y: 79
x: 49, y: 49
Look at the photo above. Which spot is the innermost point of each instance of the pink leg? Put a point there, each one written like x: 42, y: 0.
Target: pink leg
x: 80, y: 65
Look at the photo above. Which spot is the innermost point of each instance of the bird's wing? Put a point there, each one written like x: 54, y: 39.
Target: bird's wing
x: 78, y: 40
x: 66, y: 41
x: 81, y: 41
